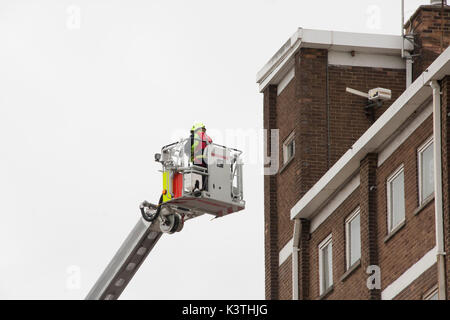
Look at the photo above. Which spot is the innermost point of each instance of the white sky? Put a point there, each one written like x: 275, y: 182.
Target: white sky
x: 84, y: 105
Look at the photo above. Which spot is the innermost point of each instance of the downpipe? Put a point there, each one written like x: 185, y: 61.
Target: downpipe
x: 438, y: 203
x: 295, y: 250
x: 405, y: 55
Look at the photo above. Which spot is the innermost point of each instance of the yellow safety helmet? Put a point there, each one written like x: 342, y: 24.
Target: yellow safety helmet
x: 197, y: 126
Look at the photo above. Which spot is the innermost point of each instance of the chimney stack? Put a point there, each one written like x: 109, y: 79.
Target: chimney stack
x: 430, y: 27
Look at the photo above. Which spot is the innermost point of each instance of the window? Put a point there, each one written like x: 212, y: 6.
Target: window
x: 326, y: 264
x: 396, y: 199
x: 432, y: 294
x: 426, y: 170
x: 353, y: 238
x: 289, y: 148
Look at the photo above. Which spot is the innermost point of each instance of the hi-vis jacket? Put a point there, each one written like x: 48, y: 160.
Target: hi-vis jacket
x: 201, y: 140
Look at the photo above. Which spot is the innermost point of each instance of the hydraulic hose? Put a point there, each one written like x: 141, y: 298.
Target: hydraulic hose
x: 151, y: 217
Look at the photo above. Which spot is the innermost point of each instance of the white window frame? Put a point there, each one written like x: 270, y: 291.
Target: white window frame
x: 286, y: 143
x: 420, y: 151
x: 327, y: 241
x: 391, y: 178
x: 348, y: 246
x: 433, y: 291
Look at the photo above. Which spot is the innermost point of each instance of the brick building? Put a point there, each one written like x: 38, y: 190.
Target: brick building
x: 355, y: 208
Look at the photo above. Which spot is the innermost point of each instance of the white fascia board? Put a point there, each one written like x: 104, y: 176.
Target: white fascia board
x: 286, y: 80
x: 316, y: 38
x: 282, y: 55
x: 412, y: 98
x: 279, y: 70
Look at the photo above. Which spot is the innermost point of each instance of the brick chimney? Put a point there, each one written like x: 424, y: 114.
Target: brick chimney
x: 430, y: 25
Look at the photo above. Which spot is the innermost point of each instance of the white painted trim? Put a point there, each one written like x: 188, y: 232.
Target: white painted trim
x: 327, y: 241
x: 402, y: 282
x: 335, y: 202
x: 386, y: 125
x: 394, y: 143
x: 286, y: 142
x: 348, y: 220
x: 431, y: 292
x: 285, y: 252
x: 361, y: 59
x: 280, y: 68
x: 389, y: 181
x: 278, y: 57
x: 286, y: 80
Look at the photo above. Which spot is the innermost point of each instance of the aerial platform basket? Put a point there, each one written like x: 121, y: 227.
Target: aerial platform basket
x: 194, y: 189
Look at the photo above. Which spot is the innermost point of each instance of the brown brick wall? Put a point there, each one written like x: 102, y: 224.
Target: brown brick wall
x: 270, y: 203
x: 287, y: 189
x: 426, y: 25
x: 307, y: 115
x: 286, y: 279
x: 445, y: 88
x: 347, y: 118
x: 335, y: 224
x: 401, y: 251
x: 311, y: 118
x: 304, y: 258
x: 302, y: 107
x: 419, y: 287
x: 327, y: 121
x: 368, y: 215
x: 416, y: 238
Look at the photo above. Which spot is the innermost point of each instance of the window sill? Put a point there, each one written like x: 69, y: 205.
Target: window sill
x: 355, y: 266
x: 327, y: 292
x: 286, y: 164
x: 424, y: 204
x: 394, y: 231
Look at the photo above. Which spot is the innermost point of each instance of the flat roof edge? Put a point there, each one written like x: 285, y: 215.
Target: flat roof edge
x: 278, y: 57
x: 323, y: 39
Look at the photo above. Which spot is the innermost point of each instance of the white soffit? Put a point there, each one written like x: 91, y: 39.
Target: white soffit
x: 388, y: 123
x: 361, y: 59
